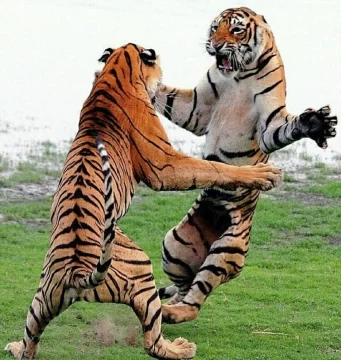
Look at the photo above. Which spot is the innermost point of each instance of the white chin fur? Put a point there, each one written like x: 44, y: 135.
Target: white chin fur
x: 152, y: 88
x: 224, y: 72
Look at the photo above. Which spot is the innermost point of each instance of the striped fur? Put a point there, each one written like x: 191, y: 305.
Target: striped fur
x: 89, y: 258
x: 240, y: 106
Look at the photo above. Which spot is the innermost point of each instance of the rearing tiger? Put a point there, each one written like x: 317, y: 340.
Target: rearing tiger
x: 95, y: 190
x: 240, y: 106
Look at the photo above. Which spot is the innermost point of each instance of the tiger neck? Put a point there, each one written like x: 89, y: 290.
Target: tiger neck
x: 110, y: 104
x: 269, y: 56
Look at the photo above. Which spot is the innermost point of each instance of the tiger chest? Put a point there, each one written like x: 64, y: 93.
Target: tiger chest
x: 232, y: 127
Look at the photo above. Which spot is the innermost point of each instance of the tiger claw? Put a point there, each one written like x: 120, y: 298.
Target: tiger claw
x: 325, y: 110
x: 319, y: 125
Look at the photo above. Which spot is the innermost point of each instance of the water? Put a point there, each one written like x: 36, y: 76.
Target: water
x: 49, y: 50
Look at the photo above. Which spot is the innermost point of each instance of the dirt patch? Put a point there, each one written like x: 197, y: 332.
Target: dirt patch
x: 334, y: 240
x: 34, y: 223
x: 108, y: 333
x: 301, y: 197
x: 26, y: 192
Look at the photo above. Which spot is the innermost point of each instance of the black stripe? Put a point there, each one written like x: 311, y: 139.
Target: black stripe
x: 265, y: 53
x: 269, y: 72
x: 176, y: 261
x: 169, y: 104
x: 233, y: 155
x: 213, y: 157
x: 114, y: 73
x: 277, y: 142
x: 214, y: 89
x: 128, y: 247
x: 236, y: 267
x: 205, y: 289
x: 34, y: 315
x: 216, y: 270
x: 143, y: 290
x: 268, y: 89
x: 133, y: 262
x: 175, y: 278
x: 245, y: 13
x: 260, y: 67
x: 194, y: 107
x: 33, y: 338
x: 127, y: 56
x: 150, y: 300
x: 191, y: 304
x: 150, y: 326
x: 255, y: 35
x: 103, y: 267
x: 162, y: 293
x: 179, y: 239
x: 272, y: 115
x: 226, y: 249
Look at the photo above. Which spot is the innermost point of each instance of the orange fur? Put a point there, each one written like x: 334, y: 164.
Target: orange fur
x: 91, y: 197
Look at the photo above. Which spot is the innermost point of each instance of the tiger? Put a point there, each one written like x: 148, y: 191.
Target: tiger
x: 239, y: 105
x: 120, y: 142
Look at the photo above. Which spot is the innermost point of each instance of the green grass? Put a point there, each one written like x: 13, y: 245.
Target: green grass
x: 285, y: 305
x: 330, y: 189
x: 42, y: 162
x: 28, y: 172
x: 4, y: 163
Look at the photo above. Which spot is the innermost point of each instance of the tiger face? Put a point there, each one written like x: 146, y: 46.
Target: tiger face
x: 145, y: 60
x: 236, y: 38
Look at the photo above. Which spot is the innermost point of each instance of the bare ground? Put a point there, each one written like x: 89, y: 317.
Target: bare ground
x: 27, y: 192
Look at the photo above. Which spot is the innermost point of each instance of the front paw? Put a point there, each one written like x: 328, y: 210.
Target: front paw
x: 267, y: 176
x: 318, y: 125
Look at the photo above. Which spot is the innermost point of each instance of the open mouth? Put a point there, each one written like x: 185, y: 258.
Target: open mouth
x: 225, y: 64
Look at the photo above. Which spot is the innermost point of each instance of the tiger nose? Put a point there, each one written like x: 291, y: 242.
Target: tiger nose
x: 217, y: 45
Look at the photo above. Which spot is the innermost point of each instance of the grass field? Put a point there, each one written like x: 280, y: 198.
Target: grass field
x: 286, y: 304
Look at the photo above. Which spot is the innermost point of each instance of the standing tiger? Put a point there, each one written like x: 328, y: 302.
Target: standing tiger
x: 240, y: 106
x: 89, y: 258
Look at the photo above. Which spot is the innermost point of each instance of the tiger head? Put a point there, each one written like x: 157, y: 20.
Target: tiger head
x: 142, y: 66
x: 237, y: 37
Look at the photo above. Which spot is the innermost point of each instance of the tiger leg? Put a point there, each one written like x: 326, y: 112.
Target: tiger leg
x: 186, y: 246
x: 181, y: 259
x: 39, y: 316
x: 131, y: 282
x: 224, y: 262
x: 232, y: 217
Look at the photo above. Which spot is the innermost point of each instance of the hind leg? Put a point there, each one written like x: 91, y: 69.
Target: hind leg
x: 130, y: 280
x: 182, y: 259
x: 230, y: 223
x: 147, y: 306
x: 225, y: 261
x: 39, y: 315
x: 186, y: 246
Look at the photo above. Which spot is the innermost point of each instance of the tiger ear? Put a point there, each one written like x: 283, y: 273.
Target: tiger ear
x: 263, y: 18
x: 148, y: 56
x: 106, y: 54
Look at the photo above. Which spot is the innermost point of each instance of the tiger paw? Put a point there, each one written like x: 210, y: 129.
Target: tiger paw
x: 262, y: 176
x: 186, y: 350
x: 17, y: 349
x: 177, y: 313
x: 318, y: 125
x: 180, y: 348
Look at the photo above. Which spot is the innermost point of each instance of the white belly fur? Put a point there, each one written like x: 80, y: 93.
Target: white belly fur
x: 232, y: 125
